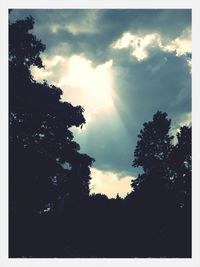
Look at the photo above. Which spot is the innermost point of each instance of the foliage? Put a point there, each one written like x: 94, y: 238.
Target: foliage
x: 154, y: 143
x: 45, y: 162
x: 180, y: 167
x: 163, y: 190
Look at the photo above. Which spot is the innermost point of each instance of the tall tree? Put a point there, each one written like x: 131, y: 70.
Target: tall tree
x: 154, y: 145
x: 153, y: 149
x: 163, y: 190
x: 45, y: 162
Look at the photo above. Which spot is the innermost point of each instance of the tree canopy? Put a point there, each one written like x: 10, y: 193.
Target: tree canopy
x: 154, y: 143
x: 45, y: 161
x: 164, y: 164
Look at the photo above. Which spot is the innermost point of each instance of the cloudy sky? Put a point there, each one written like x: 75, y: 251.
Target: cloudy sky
x: 121, y: 66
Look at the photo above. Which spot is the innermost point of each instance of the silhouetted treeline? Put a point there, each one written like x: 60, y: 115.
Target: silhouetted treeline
x: 50, y: 211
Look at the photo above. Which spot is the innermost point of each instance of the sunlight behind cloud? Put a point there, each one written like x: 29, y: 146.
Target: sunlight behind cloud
x: 82, y: 84
x: 92, y: 85
x: 95, y: 82
x: 109, y: 183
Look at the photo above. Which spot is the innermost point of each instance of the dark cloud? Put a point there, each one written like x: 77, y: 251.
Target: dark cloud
x: 161, y: 82
x: 107, y: 26
x: 167, y: 21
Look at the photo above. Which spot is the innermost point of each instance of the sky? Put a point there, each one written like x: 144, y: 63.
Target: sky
x: 122, y: 66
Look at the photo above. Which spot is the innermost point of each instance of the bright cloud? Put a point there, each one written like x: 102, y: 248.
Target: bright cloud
x: 82, y: 83
x: 181, y: 45
x: 40, y: 74
x: 186, y: 120
x: 109, y: 183
x: 48, y: 73
x: 96, y: 82
x: 139, y: 44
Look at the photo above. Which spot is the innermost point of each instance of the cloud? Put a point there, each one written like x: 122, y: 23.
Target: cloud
x: 93, y: 31
x: 182, y: 45
x: 82, y: 84
x: 163, y: 81
x: 109, y: 183
x: 139, y: 45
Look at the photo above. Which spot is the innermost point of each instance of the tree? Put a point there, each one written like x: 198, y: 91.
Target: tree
x: 154, y: 143
x: 24, y: 48
x: 163, y: 190
x: 153, y: 149
x: 180, y: 167
x: 45, y: 162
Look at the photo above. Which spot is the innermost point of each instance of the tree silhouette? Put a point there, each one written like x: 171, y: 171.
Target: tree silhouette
x: 154, y: 144
x: 180, y: 166
x: 152, y: 152
x: 163, y: 188
x: 45, y: 162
